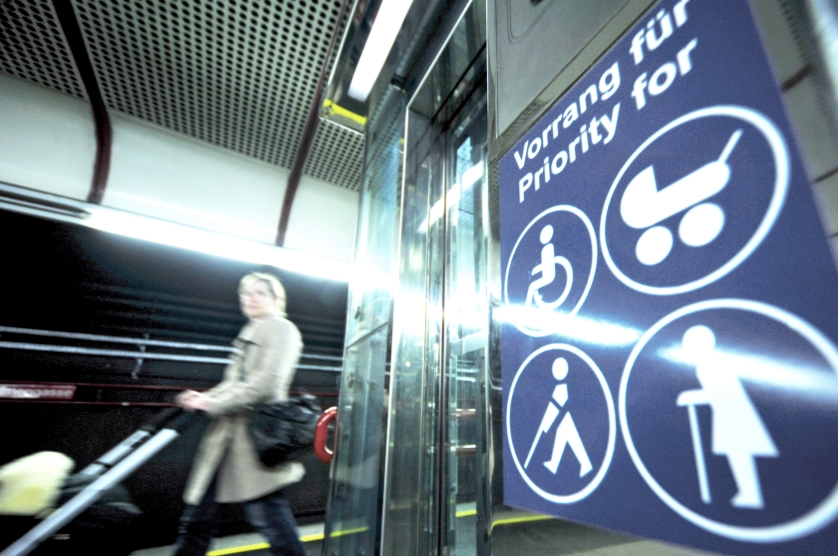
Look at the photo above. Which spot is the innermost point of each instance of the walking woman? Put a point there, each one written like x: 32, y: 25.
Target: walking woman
x: 227, y: 468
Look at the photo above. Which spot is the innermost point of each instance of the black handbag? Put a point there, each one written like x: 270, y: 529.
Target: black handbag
x: 284, y: 431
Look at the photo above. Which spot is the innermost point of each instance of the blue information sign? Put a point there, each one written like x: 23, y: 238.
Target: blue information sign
x: 669, y: 298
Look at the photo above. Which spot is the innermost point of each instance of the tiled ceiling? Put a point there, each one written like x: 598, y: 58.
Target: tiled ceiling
x: 237, y: 74
x: 33, y: 47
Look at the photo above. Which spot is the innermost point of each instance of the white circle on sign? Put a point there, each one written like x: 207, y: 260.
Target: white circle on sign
x: 527, y: 326
x: 781, y: 182
x: 701, y: 224
x: 809, y: 522
x: 612, y: 427
x: 654, y: 245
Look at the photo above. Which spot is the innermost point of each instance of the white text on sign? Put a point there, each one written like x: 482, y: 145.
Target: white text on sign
x: 600, y: 130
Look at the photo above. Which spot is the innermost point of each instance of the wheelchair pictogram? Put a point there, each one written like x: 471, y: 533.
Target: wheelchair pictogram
x: 546, y: 272
x: 731, y: 428
x: 551, y: 269
x: 557, y: 409
x: 721, y: 189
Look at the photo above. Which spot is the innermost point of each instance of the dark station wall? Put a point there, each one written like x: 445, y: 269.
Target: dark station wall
x: 69, y: 278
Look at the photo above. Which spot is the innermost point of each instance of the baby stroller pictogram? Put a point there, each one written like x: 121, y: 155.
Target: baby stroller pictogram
x: 644, y: 206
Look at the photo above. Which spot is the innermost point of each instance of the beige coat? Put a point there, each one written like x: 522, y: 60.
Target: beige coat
x: 260, y: 370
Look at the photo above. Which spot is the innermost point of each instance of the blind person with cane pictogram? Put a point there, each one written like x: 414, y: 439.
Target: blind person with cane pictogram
x: 566, y: 433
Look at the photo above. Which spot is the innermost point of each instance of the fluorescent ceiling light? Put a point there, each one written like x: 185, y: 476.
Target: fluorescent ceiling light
x: 213, y: 243
x: 385, y: 29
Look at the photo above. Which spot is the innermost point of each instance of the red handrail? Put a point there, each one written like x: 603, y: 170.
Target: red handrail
x: 321, y: 434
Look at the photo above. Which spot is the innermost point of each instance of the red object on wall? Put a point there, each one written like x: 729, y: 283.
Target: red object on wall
x: 321, y: 434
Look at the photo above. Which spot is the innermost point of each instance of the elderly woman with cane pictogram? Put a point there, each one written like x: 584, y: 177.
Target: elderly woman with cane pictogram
x: 738, y: 432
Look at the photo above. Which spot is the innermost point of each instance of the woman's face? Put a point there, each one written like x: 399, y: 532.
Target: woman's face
x: 256, y: 300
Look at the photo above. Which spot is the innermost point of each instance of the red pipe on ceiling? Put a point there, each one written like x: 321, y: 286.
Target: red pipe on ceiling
x: 72, y: 32
x: 307, y: 139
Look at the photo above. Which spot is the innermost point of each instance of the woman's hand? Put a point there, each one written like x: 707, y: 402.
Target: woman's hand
x: 192, y: 400
x: 184, y: 396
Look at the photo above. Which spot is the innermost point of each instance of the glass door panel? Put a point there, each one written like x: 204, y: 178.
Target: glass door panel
x: 410, y: 496
x: 466, y: 321
x: 440, y: 312
x: 354, y: 513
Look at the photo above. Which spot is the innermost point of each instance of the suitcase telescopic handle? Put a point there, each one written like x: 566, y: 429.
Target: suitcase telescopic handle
x: 162, y: 418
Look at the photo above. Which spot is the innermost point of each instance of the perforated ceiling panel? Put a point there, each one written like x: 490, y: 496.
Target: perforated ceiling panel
x: 336, y: 155
x: 240, y: 75
x: 33, y: 47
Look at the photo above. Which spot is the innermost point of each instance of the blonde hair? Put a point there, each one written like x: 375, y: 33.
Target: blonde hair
x: 273, y: 284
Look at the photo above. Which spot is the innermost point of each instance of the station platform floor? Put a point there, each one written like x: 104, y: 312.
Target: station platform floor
x: 533, y: 540
x: 251, y: 544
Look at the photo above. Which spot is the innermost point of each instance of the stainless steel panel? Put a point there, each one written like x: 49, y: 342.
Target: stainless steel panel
x: 534, y: 42
x: 512, y: 111
x: 466, y: 329
x: 355, y: 498
x: 439, y: 314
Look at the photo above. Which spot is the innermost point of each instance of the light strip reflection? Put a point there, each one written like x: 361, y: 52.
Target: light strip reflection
x: 576, y: 327
x: 799, y: 377
x: 468, y: 179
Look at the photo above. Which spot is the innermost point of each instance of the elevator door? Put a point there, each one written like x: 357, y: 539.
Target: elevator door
x: 435, y: 463
x: 464, y: 328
